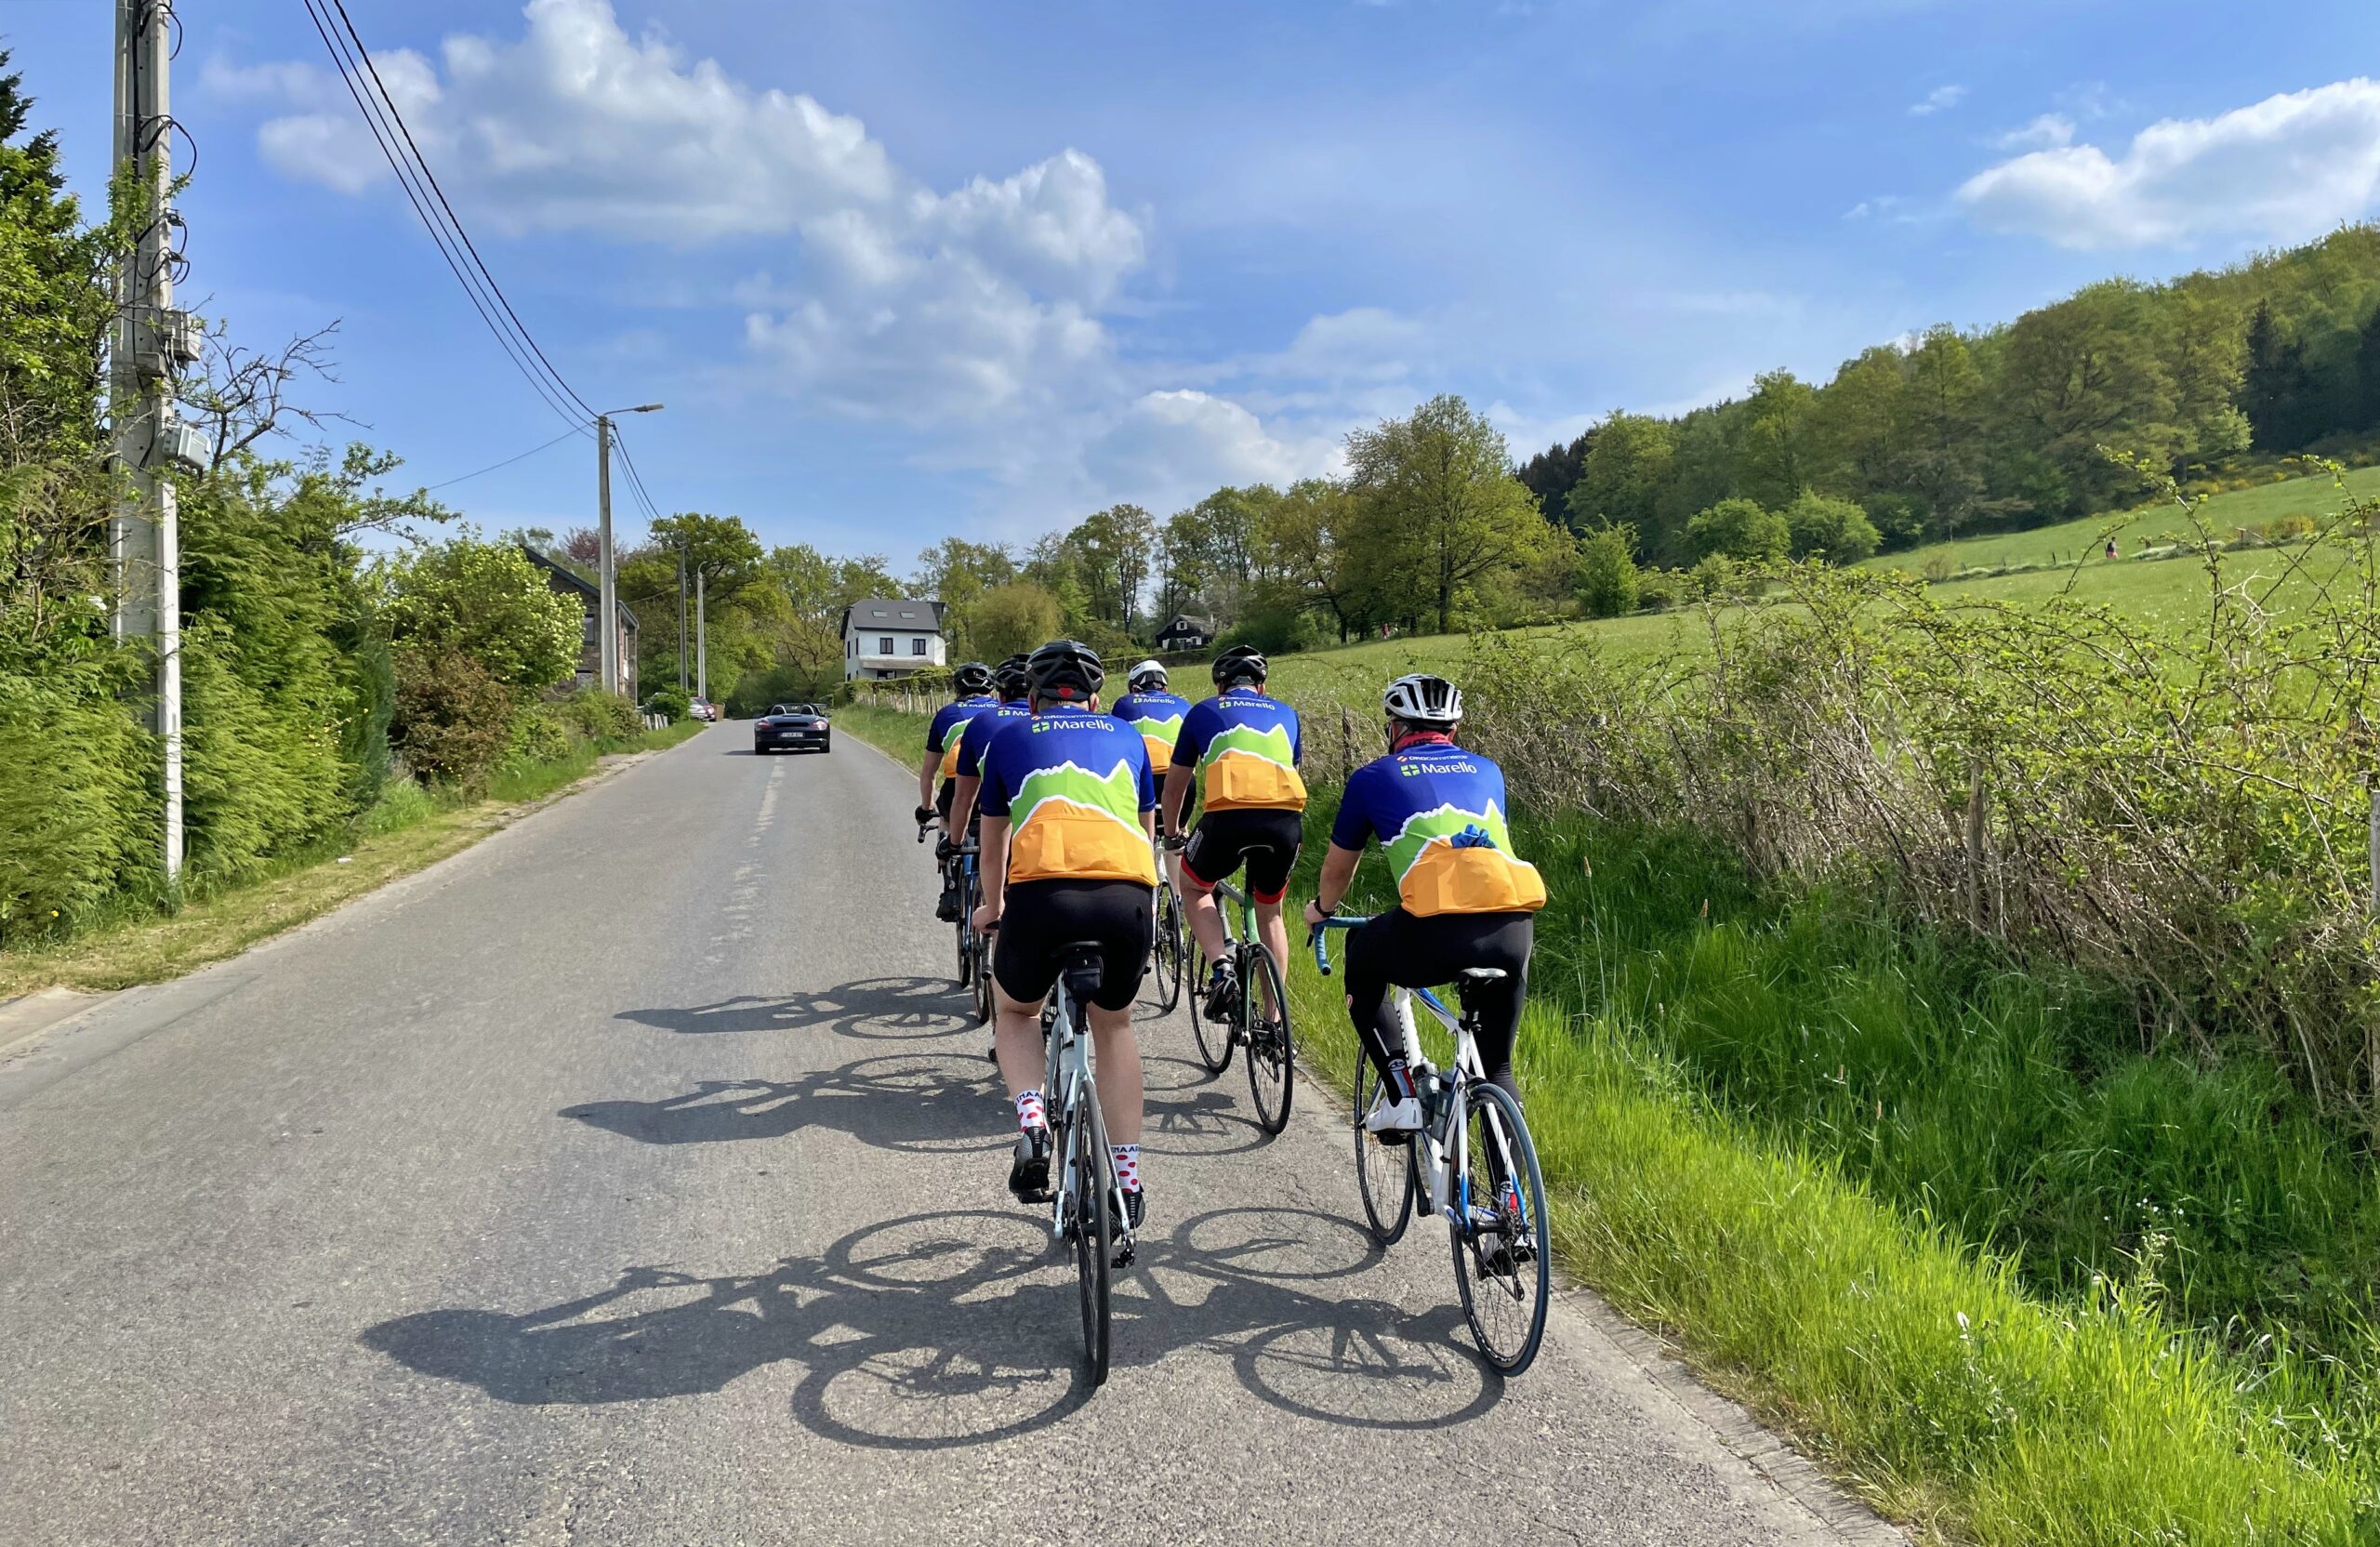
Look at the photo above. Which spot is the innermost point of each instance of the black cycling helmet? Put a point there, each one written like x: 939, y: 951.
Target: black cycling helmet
x: 973, y: 677
x: 1066, y: 670
x: 1241, y: 663
x: 1147, y: 677
x: 1008, y: 676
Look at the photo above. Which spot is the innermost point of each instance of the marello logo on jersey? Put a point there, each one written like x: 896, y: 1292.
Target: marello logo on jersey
x: 1415, y: 770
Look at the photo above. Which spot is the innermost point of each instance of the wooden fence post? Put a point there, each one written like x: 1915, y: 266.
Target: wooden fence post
x: 1975, y: 843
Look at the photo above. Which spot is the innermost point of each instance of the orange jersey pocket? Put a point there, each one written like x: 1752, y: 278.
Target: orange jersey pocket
x: 1064, y: 841
x: 1243, y: 780
x: 1447, y: 879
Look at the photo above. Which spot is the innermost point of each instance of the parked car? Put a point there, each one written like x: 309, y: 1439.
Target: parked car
x: 802, y: 727
x: 702, y: 711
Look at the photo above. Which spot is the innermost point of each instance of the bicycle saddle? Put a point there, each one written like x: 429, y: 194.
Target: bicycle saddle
x: 1482, y: 974
x: 1082, y: 967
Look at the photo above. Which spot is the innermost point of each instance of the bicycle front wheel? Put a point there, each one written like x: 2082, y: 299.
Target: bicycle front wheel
x: 1213, y: 1036
x: 1092, y: 1180
x: 981, y: 951
x: 1503, y: 1265
x: 1271, y: 1057
x: 1166, y: 957
x: 1384, y: 1173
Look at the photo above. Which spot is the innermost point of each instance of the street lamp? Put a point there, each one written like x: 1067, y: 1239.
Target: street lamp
x: 607, y: 614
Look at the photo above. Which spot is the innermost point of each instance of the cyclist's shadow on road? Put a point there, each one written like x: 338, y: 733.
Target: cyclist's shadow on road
x: 896, y: 1008
x: 961, y: 1328
x: 899, y: 1102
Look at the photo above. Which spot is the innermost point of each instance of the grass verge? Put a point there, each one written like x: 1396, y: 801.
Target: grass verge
x: 1924, y: 1370
x: 408, y: 830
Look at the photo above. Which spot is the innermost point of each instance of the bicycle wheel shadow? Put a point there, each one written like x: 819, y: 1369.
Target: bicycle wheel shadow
x: 916, y: 1101
x: 961, y: 1328
x: 892, y: 1008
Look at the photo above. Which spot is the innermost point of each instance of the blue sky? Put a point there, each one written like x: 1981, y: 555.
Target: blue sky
x: 908, y: 268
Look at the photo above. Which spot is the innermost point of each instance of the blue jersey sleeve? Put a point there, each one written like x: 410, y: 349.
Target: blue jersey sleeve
x: 1297, y: 736
x: 970, y: 749
x: 1198, y: 727
x: 1353, y: 826
x: 938, y: 733
x: 992, y: 799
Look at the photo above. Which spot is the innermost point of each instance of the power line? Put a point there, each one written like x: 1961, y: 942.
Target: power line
x: 423, y: 163
x: 636, y: 479
x: 377, y: 112
x: 506, y: 462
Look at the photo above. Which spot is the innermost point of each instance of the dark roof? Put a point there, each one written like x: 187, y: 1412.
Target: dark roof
x: 1183, y: 623
x: 884, y: 612
x: 575, y: 581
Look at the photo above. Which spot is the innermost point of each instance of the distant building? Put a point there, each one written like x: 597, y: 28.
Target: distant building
x: 567, y: 581
x: 1185, y: 632
x: 890, y: 637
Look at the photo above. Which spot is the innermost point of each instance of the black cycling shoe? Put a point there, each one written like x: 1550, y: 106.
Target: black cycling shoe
x: 946, y: 910
x: 1134, y: 1206
x: 1028, y: 1172
x: 1223, y: 992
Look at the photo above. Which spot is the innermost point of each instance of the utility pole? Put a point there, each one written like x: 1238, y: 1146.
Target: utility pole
x: 702, y: 648
x: 150, y: 343
x: 682, y: 616
x: 607, y: 611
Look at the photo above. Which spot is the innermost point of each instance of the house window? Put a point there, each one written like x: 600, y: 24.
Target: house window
x: 884, y: 645
x: 587, y: 628
x: 917, y: 645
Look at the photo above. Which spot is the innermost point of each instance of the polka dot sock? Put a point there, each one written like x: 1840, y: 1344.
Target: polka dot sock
x: 1029, y: 1110
x: 1127, y: 1166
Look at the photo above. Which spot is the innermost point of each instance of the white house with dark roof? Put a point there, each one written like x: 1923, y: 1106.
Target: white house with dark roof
x: 888, y: 637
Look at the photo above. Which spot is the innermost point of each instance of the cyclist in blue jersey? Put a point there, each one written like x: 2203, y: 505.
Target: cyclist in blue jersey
x: 1151, y: 709
x: 1463, y: 898
x: 972, y: 684
x: 1239, y: 750
x: 1068, y: 859
x: 967, y: 765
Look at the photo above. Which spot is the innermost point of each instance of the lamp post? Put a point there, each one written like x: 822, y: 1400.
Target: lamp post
x: 607, y: 613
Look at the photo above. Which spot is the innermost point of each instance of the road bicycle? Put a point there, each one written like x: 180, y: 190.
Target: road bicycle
x: 958, y: 867
x: 1472, y: 1165
x: 1086, y: 1209
x: 1256, y: 1017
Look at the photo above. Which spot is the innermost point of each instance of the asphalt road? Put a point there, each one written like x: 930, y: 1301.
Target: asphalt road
x: 634, y: 1178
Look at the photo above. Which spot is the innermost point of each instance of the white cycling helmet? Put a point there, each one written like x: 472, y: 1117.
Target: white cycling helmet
x: 1147, y: 677
x: 1421, y: 699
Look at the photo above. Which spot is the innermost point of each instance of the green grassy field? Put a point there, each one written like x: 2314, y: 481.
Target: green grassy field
x: 2150, y: 525
x: 2163, y: 590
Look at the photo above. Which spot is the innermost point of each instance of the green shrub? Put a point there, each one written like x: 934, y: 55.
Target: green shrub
x: 676, y: 705
x: 600, y: 717
x: 78, y: 801
x: 452, y: 720
x: 487, y: 600
x: 1739, y: 529
x: 1835, y: 529
x: 537, y: 734
x: 261, y: 766
x: 402, y: 803
x: 1607, y: 582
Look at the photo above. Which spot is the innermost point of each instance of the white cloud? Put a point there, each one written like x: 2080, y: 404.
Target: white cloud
x: 910, y: 303
x: 1940, y: 100
x: 1171, y: 448
x: 2051, y: 131
x: 2284, y: 169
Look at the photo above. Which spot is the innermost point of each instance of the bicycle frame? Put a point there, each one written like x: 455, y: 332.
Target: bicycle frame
x: 1066, y: 1088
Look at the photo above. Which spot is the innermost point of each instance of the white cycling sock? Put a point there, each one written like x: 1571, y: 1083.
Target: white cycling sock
x: 1029, y: 1110
x: 1127, y: 1166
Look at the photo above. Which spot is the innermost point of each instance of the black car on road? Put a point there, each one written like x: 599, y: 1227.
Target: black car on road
x: 801, y: 727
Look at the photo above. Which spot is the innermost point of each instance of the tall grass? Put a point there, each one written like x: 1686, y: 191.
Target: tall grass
x: 1933, y: 1216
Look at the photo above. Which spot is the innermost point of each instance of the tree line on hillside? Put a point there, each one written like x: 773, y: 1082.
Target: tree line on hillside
x: 1950, y: 432
x: 322, y: 686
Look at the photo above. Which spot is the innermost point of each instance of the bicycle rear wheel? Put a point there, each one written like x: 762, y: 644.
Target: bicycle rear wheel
x: 1213, y: 1036
x: 966, y: 933
x: 1384, y: 1173
x: 1503, y: 1266
x: 1272, y: 1056
x: 1166, y: 957
x: 983, y: 951
x: 1092, y: 1181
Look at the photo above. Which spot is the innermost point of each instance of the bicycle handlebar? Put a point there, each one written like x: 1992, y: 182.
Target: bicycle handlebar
x: 1319, y: 933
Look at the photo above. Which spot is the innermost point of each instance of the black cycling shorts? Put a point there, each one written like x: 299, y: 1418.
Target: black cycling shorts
x: 1041, y: 919
x: 1266, y: 841
x: 942, y: 802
